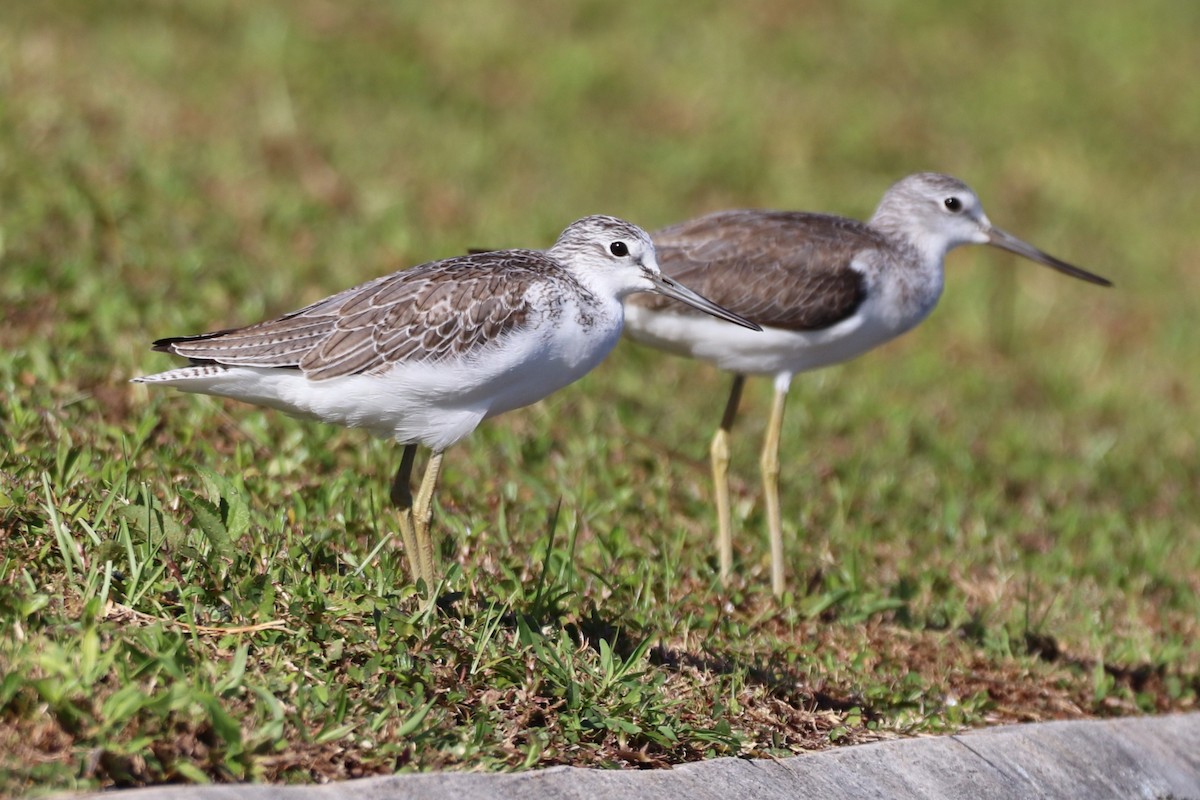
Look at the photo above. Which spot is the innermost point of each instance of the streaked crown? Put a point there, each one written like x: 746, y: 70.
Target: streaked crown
x: 933, y: 211
x: 603, y: 239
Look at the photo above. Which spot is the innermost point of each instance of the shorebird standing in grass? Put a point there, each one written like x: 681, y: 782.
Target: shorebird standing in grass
x: 424, y: 355
x: 824, y: 288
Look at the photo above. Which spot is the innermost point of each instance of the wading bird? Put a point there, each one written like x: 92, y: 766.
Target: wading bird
x: 424, y: 355
x: 824, y: 289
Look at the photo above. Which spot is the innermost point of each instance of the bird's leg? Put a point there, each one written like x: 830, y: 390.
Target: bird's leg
x: 401, y: 494
x: 423, y: 513
x: 719, y: 453
x: 770, y: 476
x: 403, y: 500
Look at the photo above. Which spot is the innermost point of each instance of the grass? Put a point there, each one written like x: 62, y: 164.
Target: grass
x: 993, y: 519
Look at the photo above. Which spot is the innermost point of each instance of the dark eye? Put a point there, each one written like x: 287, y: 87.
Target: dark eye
x: 618, y: 249
x: 954, y: 204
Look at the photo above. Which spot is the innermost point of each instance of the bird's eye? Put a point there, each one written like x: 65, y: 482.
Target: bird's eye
x: 954, y: 204
x: 619, y: 249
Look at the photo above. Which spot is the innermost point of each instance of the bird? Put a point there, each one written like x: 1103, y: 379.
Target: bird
x: 425, y: 354
x: 824, y: 288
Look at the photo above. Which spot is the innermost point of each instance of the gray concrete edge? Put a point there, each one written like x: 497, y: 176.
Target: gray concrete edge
x: 1157, y: 758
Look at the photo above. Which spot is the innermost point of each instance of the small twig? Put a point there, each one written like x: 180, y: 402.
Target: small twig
x: 116, y: 609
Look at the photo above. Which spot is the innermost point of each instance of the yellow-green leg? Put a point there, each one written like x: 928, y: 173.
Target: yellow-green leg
x: 403, y: 500
x: 770, y: 477
x: 422, y: 514
x: 719, y: 454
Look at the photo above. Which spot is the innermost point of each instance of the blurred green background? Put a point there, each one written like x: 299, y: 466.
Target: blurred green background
x: 277, y: 151
x: 1026, y: 457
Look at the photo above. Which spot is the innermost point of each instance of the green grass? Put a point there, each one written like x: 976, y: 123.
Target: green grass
x: 993, y: 519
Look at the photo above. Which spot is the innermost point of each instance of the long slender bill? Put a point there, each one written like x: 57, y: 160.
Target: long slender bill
x: 677, y: 291
x: 1006, y: 241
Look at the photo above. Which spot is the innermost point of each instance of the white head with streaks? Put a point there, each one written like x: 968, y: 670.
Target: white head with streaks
x: 936, y: 213
x: 611, y: 255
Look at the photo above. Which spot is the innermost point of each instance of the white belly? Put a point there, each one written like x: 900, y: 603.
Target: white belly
x: 774, y: 350
x: 435, y: 404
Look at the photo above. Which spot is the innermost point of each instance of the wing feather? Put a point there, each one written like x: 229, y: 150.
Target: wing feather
x: 783, y: 269
x: 435, y: 311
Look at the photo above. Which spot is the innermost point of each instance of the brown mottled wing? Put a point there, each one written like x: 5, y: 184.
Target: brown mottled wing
x: 782, y: 269
x: 430, y: 312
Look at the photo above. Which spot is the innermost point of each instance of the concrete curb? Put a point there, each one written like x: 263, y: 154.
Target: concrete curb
x: 1157, y: 758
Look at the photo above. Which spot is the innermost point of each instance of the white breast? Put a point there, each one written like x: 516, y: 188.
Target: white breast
x: 774, y: 350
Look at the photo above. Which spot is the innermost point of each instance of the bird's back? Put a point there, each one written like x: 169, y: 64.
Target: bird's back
x: 784, y: 269
x: 429, y: 313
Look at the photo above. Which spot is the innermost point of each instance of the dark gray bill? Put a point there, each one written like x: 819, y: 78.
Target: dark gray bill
x: 666, y: 286
x: 1006, y: 241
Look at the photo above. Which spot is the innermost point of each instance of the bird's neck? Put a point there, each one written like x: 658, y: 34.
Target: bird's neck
x: 916, y: 274
x: 928, y: 250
